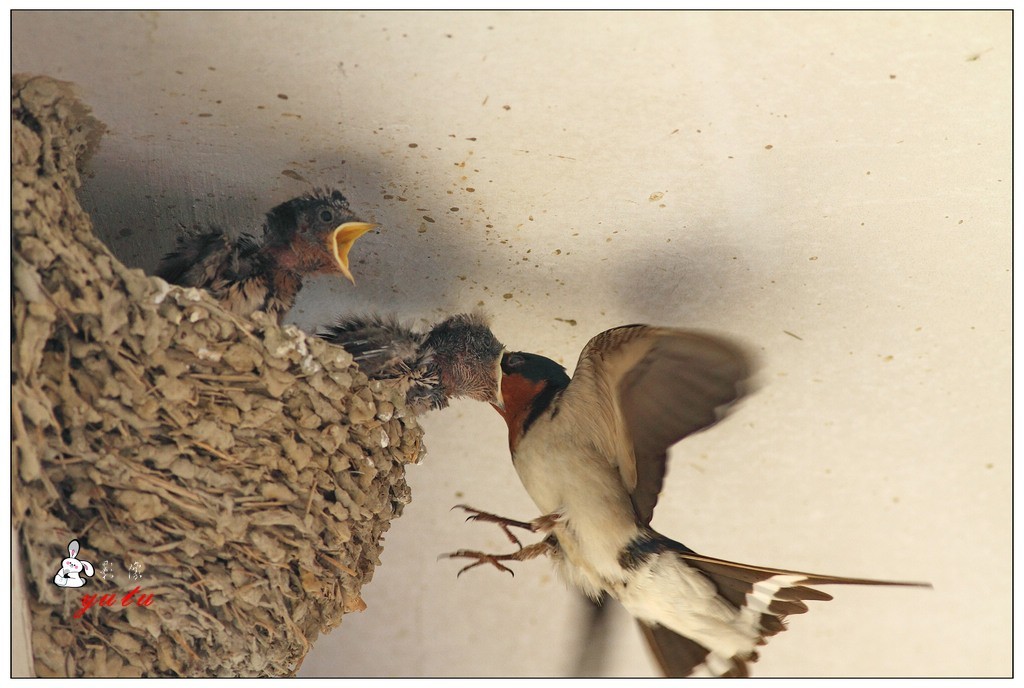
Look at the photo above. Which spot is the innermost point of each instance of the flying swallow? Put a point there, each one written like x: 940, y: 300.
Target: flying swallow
x: 591, y: 452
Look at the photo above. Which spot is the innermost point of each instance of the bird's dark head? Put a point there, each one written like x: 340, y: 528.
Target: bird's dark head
x: 314, y: 233
x: 529, y: 383
x: 466, y: 356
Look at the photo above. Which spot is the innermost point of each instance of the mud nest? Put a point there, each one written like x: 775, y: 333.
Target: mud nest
x: 240, y: 473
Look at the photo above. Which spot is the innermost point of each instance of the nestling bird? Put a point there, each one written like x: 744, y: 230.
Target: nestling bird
x: 307, y: 235
x: 458, y: 357
x: 591, y: 452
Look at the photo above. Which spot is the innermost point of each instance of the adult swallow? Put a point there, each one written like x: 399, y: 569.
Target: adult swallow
x: 457, y: 357
x: 304, y: 236
x: 591, y: 452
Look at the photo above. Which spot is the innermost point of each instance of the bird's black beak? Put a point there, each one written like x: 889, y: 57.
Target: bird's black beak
x: 340, y: 241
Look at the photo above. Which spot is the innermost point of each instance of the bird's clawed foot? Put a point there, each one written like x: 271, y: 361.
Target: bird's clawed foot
x: 524, y: 553
x: 544, y: 524
x: 503, y: 523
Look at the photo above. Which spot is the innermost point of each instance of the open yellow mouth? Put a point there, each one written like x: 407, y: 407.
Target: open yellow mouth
x: 340, y: 243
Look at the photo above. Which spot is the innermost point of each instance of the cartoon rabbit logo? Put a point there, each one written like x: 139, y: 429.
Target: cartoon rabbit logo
x: 70, y: 568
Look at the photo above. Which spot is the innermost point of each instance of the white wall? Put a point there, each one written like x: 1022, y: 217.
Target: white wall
x: 832, y: 188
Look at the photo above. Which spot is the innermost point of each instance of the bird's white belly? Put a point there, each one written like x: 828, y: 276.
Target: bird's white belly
x: 596, y: 519
x: 668, y: 592
x: 597, y: 522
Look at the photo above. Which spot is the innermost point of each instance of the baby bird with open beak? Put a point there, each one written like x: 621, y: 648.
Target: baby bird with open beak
x: 307, y: 235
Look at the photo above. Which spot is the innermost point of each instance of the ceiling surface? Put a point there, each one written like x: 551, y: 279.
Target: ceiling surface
x: 832, y: 188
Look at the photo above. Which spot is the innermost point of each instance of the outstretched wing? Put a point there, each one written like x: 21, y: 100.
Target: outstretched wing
x: 665, y: 384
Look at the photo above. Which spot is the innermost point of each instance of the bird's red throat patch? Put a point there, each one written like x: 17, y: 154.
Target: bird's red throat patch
x: 517, y: 393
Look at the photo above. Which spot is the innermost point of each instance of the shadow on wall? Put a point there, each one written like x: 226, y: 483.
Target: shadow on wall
x: 707, y: 273
x: 416, y: 267
x: 402, y: 263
